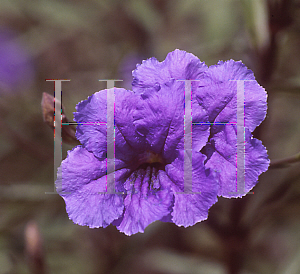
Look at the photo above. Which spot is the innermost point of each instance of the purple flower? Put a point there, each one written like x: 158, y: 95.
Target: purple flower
x: 15, y: 67
x: 149, y: 146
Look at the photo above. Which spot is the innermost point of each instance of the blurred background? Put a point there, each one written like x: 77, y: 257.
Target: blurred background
x: 99, y: 39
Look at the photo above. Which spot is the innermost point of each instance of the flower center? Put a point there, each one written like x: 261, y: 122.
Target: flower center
x: 149, y: 158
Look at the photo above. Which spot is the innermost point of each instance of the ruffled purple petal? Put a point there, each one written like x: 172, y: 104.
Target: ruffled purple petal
x: 148, y: 199
x: 192, y: 203
x: 93, y: 135
x: 255, y: 104
x: 152, y: 75
x: 128, y: 142
x: 92, y: 111
x: 217, y: 94
x: 256, y: 161
x: 160, y: 120
x: 222, y: 159
x: 200, y: 126
x: 82, y: 181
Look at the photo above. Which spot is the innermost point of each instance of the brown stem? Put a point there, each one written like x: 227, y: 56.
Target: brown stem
x: 285, y: 162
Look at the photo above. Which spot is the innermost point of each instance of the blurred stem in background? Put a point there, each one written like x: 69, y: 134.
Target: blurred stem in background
x: 265, y: 19
x: 285, y: 162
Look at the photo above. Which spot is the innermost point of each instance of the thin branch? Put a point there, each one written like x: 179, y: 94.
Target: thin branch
x: 285, y: 162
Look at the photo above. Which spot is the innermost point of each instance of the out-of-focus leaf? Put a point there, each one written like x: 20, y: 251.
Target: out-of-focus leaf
x: 256, y: 16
